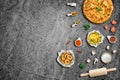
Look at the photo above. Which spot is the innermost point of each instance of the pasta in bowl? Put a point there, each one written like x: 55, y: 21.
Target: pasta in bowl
x: 95, y: 38
x: 66, y: 58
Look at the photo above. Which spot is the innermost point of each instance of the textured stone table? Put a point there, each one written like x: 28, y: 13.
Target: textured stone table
x: 33, y: 31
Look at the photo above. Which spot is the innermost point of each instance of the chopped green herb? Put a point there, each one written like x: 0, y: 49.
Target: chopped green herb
x: 82, y: 66
x: 86, y: 26
x: 98, y: 8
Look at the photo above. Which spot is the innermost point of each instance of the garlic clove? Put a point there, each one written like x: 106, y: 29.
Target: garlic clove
x: 95, y: 60
x: 93, y: 52
x: 107, y: 48
x: 88, y: 60
x: 114, y: 51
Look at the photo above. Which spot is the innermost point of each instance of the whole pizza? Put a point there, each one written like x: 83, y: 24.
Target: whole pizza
x: 98, y: 11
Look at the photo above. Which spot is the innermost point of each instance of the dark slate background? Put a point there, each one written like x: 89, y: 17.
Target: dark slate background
x: 33, y: 31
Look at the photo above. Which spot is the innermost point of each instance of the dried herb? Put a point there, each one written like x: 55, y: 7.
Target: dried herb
x: 77, y: 21
x: 68, y: 42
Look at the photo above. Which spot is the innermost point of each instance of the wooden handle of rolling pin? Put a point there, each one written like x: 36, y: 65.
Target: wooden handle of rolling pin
x: 84, y: 74
x: 107, y: 70
x: 111, y: 69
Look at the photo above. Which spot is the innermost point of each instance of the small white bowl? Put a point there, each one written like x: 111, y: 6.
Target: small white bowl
x: 111, y: 41
x: 101, y: 38
x: 106, y: 57
x: 64, y: 65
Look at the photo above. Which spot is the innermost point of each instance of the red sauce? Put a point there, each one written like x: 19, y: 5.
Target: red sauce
x: 112, y: 39
x: 78, y: 42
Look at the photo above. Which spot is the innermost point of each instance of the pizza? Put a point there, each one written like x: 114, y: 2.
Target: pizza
x: 98, y: 11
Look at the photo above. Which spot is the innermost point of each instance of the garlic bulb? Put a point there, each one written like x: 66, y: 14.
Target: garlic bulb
x: 88, y: 60
x: 114, y: 51
x: 93, y: 52
x: 95, y: 60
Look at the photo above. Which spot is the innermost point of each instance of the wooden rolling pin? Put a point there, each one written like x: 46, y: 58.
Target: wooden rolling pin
x: 98, y: 72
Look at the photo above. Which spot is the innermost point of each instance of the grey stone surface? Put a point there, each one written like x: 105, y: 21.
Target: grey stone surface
x: 33, y: 31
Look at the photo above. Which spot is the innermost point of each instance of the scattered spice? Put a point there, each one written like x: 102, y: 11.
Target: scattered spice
x: 79, y: 51
x: 113, y: 29
x: 68, y: 42
x: 73, y: 14
x: 76, y: 23
x: 113, y: 22
x: 106, y: 27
